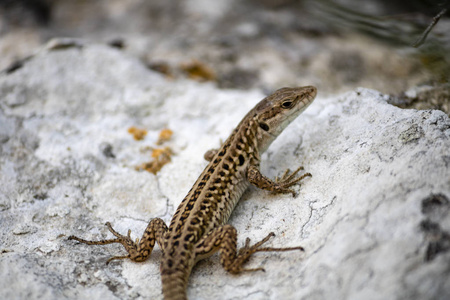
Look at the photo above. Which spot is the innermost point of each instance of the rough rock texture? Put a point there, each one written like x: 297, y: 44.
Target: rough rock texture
x: 374, y: 218
x: 335, y: 45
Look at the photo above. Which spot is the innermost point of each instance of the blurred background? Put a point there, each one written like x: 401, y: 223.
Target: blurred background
x: 265, y: 44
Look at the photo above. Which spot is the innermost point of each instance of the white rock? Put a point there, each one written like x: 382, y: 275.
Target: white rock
x: 359, y: 217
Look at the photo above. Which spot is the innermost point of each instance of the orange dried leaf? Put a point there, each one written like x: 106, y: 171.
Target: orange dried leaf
x: 138, y: 134
x: 198, y: 71
x: 162, y: 156
x: 164, y: 136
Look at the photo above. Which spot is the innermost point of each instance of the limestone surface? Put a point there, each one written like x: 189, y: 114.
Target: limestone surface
x: 374, y: 219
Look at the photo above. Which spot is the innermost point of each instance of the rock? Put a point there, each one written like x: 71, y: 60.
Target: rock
x: 371, y: 219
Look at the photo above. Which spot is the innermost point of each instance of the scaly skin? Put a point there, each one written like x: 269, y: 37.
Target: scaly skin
x: 198, y: 229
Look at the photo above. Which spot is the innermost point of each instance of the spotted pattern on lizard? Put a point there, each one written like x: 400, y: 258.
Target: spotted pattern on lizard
x: 198, y: 228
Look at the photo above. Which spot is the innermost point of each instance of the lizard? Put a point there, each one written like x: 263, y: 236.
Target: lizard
x: 199, y: 226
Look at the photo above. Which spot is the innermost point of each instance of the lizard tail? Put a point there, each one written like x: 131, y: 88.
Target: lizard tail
x: 174, y: 285
x: 175, y: 273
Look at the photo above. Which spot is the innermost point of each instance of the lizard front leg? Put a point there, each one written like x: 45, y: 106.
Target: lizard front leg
x: 224, y: 240
x: 137, y: 251
x: 280, y: 185
x: 209, y: 155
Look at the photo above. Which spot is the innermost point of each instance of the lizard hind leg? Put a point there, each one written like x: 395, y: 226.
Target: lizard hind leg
x: 137, y: 251
x: 245, y: 252
x: 224, y: 240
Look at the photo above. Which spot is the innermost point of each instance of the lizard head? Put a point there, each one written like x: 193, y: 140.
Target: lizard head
x: 274, y: 113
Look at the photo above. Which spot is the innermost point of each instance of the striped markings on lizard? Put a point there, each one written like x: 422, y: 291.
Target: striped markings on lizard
x: 198, y: 229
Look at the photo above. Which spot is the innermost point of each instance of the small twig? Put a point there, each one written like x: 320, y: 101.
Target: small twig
x: 433, y: 23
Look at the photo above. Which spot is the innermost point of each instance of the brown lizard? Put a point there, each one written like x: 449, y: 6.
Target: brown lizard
x: 198, y: 229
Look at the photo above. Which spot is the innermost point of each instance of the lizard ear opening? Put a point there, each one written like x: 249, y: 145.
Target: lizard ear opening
x: 264, y: 126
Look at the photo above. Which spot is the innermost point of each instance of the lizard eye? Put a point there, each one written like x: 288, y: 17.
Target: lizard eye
x: 287, y: 104
x: 264, y: 126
